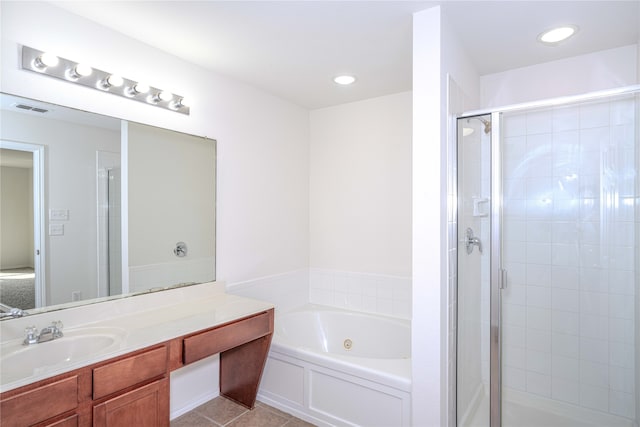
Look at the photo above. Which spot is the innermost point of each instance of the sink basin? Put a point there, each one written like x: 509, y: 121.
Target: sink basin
x: 18, y: 361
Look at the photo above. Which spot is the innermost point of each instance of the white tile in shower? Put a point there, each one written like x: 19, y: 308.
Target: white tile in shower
x: 594, y: 115
x: 566, y: 118
x: 621, y: 257
x: 564, y: 255
x: 565, y: 322
x: 514, y: 378
x: 589, y: 232
x: 516, y: 273
x: 592, y: 326
x: 566, y: 210
x: 515, y: 294
x: 594, y: 350
x: 565, y: 232
x: 515, y: 336
x: 596, y: 374
x: 621, y: 282
x: 539, y: 362
x: 621, y: 354
x: 621, y: 306
x: 592, y: 141
x: 622, y: 111
x: 539, y: 275
x: 540, y: 209
x: 515, y: 126
x: 565, y: 390
x: 539, y: 384
x: 594, y: 303
x: 538, y: 318
x: 621, y: 330
x: 514, y: 315
x: 565, y: 300
x: 566, y: 345
x: 538, y: 340
x: 594, y: 397
x: 565, y: 277
x: 566, y: 368
x: 536, y: 231
x: 593, y: 256
x: 621, y: 404
x: 621, y: 379
x: 538, y: 253
x: 539, y: 122
x: 515, y: 230
x: 594, y: 280
x: 539, y: 296
x: 589, y: 208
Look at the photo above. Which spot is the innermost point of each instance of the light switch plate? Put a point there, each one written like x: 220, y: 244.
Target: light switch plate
x: 56, y: 229
x: 58, y: 214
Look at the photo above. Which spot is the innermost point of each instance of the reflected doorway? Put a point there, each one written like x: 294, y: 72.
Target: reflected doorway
x: 21, y: 204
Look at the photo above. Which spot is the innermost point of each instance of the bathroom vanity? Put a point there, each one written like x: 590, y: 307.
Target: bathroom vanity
x: 130, y: 385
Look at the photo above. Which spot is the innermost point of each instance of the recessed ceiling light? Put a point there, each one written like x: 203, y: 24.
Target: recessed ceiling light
x: 344, y: 79
x: 556, y: 35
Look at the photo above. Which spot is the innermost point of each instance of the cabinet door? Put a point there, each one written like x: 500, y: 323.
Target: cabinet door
x: 146, y: 406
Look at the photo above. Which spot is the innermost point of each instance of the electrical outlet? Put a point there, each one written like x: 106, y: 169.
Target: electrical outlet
x: 58, y: 214
x: 56, y: 229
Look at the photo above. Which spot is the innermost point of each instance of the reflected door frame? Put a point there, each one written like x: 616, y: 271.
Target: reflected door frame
x: 38, y: 214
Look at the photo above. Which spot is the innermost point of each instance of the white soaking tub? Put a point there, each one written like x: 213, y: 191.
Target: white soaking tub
x: 335, y: 367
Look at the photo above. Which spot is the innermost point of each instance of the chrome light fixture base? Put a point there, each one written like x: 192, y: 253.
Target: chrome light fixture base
x: 65, y: 69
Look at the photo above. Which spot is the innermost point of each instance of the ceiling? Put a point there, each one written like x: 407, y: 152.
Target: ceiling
x: 293, y: 49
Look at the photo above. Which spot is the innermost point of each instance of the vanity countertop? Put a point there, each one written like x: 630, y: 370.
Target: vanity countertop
x: 141, y: 322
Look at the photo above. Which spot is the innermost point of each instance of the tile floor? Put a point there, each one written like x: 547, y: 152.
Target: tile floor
x: 221, y: 412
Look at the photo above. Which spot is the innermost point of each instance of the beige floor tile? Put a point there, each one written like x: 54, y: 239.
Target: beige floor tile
x: 274, y: 410
x: 192, y: 419
x: 297, y: 422
x: 221, y: 410
x: 259, y: 417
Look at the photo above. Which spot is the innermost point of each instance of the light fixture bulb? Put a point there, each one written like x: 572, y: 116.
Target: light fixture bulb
x: 46, y: 60
x: 557, y: 35
x: 467, y: 131
x: 344, y: 80
x: 82, y: 70
x: 115, y: 81
x: 141, y: 88
x: 165, y: 96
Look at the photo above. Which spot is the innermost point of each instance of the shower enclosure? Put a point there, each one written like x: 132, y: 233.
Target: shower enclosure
x: 548, y: 264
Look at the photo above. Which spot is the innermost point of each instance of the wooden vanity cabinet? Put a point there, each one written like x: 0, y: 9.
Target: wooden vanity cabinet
x: 133, y: 389
x: 130, y: 399
x: 146, y: 406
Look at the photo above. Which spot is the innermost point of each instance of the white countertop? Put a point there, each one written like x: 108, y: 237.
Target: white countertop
x: 143, y: 320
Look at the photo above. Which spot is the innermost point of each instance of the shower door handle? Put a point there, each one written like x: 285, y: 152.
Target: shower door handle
x: 470, y: 241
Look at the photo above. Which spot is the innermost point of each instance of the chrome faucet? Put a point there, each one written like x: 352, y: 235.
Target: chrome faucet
x: 46, y: 334
x: 7, y: 311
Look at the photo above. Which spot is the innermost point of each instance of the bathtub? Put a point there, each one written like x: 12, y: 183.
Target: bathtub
x: 334, y: 367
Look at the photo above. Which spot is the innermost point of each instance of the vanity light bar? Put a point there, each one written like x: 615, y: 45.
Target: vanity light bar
x: 73, y: 72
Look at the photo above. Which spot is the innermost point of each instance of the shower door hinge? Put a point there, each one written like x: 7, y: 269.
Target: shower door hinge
x: 502, y: 281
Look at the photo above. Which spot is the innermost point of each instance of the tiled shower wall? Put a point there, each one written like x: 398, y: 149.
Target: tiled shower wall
x: 570, y: 237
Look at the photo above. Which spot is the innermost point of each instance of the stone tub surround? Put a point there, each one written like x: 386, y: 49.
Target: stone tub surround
x: 146, y: 319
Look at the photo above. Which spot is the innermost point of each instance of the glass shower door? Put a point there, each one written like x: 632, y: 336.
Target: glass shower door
x: 570, y: 244
x: 473, y: 271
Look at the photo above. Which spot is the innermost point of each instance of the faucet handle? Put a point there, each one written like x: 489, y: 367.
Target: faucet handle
x: 31, y: 335
x: 57, y: 326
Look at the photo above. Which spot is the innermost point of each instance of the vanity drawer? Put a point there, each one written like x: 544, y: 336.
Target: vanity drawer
x: 41, y: 403
x: 128, y: 372
x: 227, y: 336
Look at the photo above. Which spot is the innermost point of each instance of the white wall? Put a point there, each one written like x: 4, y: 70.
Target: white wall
x: 15, y: 250
x: 606, y: 69
x: 262, y: 177
x: 262, y: 203
x: 360, y: 205
x: 360, y: 186
x: 437, y: 55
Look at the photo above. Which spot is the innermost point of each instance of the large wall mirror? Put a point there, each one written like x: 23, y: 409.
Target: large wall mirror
x: 93, y: 207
